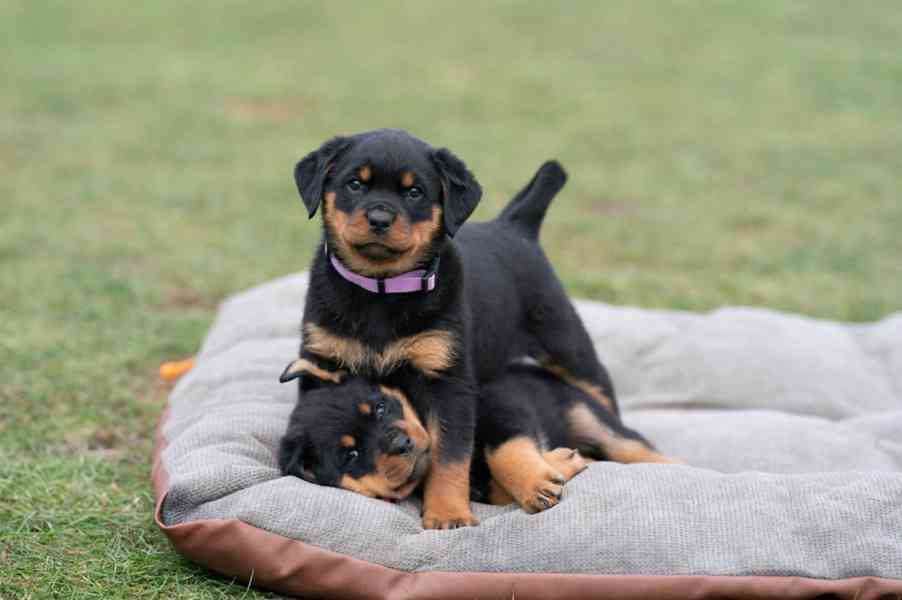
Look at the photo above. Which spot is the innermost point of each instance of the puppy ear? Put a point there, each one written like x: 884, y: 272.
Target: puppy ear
x: 311, y: 172
x: 302, y: 366
x: 294, y: 455
x: 461, y: 191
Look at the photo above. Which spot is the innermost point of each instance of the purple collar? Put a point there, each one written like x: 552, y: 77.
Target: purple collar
x: 421, y: 280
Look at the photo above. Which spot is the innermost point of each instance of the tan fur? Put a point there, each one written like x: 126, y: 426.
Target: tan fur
x: 517, y: 466
x: 498, y: 495
x: 591, y: 390
x: 364, y: 408
x: 430, y: 351
x: 374, y: 486
x: 348, y: 441
x: 584, y: 425
x: 410, y: 240
x: 407, y: 179
x: 365, y: 173
x: 446, y: 494
x: 302, y: 365
x: 391, y: 479
x: 411, y: 424
x: 565, y: 461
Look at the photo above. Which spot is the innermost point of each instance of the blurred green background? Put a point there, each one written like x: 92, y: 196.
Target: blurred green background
x: 720, y: 153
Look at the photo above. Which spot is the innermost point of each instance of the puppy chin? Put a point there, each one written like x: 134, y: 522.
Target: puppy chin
x: 377, y: 252
x: 417, y: 473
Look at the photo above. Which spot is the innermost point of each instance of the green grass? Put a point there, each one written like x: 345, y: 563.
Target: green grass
x: 719, y: 152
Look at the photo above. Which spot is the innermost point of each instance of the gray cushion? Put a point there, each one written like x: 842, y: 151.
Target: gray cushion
x: 791, y: 429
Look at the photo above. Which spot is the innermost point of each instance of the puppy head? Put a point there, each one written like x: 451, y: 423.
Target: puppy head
x: 388, y: 199
x: 358, y: 436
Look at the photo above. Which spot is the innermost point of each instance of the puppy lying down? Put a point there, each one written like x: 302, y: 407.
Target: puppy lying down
x: 368, y: 439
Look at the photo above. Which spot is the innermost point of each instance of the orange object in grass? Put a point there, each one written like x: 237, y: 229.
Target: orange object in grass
x: 170, y: 371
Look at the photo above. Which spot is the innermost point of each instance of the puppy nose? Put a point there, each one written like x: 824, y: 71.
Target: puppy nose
x: 400, y: 444
x: 380, y: 219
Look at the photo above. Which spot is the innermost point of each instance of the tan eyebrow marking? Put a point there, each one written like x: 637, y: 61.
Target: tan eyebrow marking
x: 365, y: 173
x: 407, y: 179
x: 348, y: 441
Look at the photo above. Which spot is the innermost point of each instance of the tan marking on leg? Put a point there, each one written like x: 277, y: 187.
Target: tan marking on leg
x: 591, y: 390
x: 518, y: 466
x: 446, y: 495
x: 302, y: 365
x: 566, y: 461
x: 365, y: 173
x: 498, y: 495
x: 585, y: 426
x: 407, y: 179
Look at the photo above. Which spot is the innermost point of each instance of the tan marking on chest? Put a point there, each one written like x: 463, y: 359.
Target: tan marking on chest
x: 430, y: 351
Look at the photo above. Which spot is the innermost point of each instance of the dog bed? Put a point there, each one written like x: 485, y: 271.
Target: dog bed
x: 790, y: 427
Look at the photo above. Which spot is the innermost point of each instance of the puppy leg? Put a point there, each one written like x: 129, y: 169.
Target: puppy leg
x: 446, y: 494
x: 600, y: 435
x: 519, y: 468
x: 567, y: 461
x: 566, y: 350
x: 508, y: 434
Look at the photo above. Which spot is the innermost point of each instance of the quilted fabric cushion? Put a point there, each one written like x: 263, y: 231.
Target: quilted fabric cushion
x: 791, y: 429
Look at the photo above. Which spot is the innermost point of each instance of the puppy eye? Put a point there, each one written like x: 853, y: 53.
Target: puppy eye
x: 380, y: 410
x: 351, y: 456
x: 414, y: 193
x: 354, y: 186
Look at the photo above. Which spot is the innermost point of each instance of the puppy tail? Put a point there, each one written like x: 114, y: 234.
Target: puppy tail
x: 527, y: 210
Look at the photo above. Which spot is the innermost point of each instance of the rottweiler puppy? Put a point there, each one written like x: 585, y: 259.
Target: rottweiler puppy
x: 402, y: 294
x: 367, y: 438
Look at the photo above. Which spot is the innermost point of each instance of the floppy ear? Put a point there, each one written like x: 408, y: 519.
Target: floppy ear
x: 311, y: 172
x: 461, y: 191
x: 302, y: 367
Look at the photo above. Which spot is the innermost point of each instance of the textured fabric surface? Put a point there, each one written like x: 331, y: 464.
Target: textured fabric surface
x: 791, y: 429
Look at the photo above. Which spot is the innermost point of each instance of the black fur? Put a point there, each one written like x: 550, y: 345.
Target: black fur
x: 497, y: 293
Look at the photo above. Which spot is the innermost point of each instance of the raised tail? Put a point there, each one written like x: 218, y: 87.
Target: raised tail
x: 527, y: 210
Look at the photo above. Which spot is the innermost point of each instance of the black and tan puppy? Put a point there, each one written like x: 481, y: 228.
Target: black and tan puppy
x: 393, y: 298
x: 367, y: 438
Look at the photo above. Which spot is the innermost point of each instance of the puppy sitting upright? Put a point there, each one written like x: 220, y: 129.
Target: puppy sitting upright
x: 394, y: 299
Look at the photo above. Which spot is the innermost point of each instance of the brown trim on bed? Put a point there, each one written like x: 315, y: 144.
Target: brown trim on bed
x: 288, y: 566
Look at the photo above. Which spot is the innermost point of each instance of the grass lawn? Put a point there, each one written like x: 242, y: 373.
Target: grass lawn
x: 720, y: 153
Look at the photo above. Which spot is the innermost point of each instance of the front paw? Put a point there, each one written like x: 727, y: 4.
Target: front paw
x: 449, y: 519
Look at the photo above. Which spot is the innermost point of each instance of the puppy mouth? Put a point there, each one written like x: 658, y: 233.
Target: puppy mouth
x: 420, y: 466
x: 378, y: 251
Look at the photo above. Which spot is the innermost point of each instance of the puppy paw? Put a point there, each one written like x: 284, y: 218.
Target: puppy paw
x: 432, y: 520
x: 541, y: 490
x: 567, y: 461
